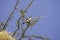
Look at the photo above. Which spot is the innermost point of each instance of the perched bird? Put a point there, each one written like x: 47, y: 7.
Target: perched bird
x: 34, y: 21
x: 28, y: 20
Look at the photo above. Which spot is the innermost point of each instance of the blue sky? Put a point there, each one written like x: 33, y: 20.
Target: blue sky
x: 46, y: 27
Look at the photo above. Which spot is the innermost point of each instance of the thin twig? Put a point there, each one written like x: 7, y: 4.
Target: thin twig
x: 33, y: 36
x: 18, y: 22
x: 18, y: 26
x: 28, y: 6
x: 11, y: 14
x: 23, y: 32
x: 24, y: 11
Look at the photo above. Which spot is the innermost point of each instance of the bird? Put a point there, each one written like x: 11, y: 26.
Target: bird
x: 28, y: 20
x: 34, y: 21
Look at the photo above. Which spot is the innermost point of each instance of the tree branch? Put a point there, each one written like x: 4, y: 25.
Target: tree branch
x: 18, y: 26
x: 28, y: 6
x: 11, y: 15
x: 33, y: 36
x: 23, y: 32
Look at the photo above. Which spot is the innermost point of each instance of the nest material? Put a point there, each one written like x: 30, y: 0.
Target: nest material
x: 5, y: 36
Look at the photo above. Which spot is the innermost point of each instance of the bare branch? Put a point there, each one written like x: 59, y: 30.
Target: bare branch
x: 18, y: 23
x: 18, y: 26
x: 1, y: 26
x: 28, y: 6
x: 11, y: 14
x: 17, y: 2
x: 24, y: 11
x: 15, y: 32
x: 23, y: 32
x: 33, y: 36
x: 29, y: 22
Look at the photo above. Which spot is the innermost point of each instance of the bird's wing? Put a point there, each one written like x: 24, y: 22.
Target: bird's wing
x: 34, y: 21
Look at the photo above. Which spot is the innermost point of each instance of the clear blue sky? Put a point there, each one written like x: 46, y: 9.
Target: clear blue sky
x: 46, y: 27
